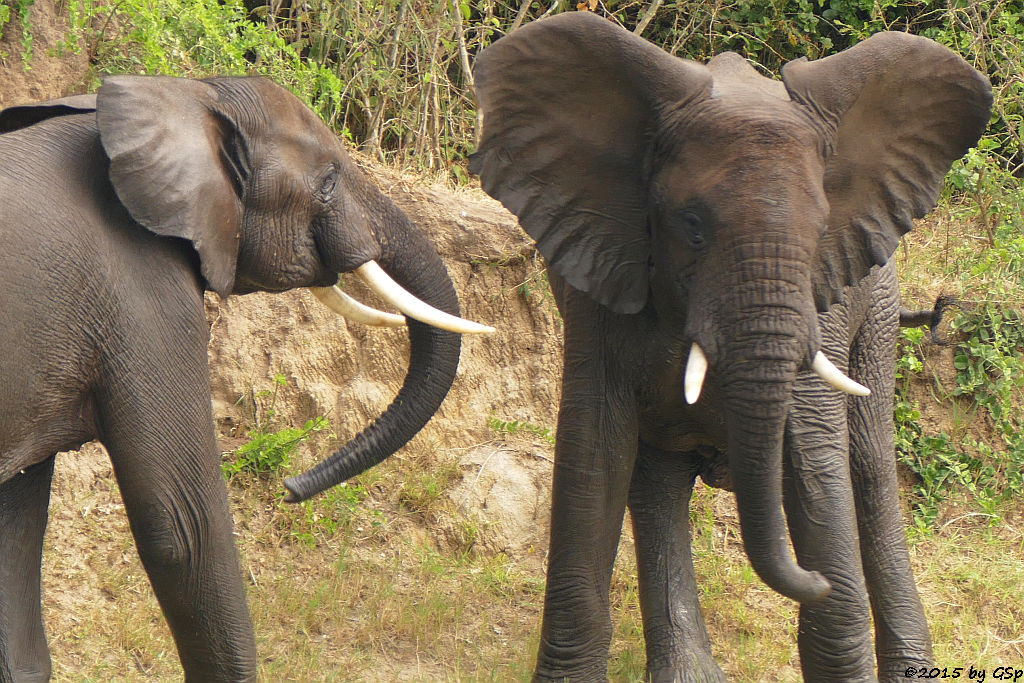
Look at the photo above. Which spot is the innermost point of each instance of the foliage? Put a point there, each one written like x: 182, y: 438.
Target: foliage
x: 269, y: 448
x: 5, y: 17
x: 22, y: 9
x: 333, y: 512
x: 198, y: 38
x: 518, y: 427
x: 396, y: 75
x: 989, y: 361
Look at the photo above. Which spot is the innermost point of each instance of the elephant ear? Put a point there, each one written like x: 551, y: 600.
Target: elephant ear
x: 24, y: 115
x: 902, y: 109
x: 173, y: 165
x: 572, y: 106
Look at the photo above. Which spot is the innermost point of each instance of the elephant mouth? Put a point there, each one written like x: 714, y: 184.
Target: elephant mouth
x: 394, y: 294
x: 697, y: 368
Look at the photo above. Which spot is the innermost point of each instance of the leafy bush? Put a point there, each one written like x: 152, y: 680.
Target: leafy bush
x: 269, y: 448
x: 990, y: 372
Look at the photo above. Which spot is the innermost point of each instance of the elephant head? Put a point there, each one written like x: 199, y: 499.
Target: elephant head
x: 732, y: 207
x: 270, y: 200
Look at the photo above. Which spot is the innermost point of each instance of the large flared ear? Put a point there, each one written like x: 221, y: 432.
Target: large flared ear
x: 903, y: 109
x: 24, y: 115
x: 572, y: 107
x: 174, y: 163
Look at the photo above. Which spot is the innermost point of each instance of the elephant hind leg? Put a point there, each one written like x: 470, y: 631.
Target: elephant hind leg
x: 24, y: 655
x: 902, y: 639
x: 678, y: 647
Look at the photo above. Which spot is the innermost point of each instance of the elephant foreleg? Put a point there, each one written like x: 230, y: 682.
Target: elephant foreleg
x: 594, y: 455
x: 588, y: 501
x: 24, y: 655
x: 834, y: 634
x: 902, y: 639
x: 678, y: 647
x: 156, y: 422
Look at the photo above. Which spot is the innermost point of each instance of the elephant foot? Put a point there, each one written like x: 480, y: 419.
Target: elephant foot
x: 581, y: 677
x: 893, y: 667
x: 693, y: 669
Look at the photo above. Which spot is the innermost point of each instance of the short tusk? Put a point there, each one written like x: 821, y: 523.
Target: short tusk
x: 693, y: 378
x: 824, y: 368
x: 344, y: 305
x: 393, y: 293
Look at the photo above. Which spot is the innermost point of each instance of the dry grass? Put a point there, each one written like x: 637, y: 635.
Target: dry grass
x: 391, y: 593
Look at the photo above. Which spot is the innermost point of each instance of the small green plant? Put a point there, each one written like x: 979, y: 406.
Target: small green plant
x: 421, y: 491
x: 269, y: 448
x: 21, y: 8
x: 336, y: 510
x: 24, y: 8
x: 517, y: 427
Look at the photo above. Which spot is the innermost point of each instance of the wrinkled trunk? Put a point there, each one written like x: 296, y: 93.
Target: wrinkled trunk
x: 767, y: 334
x: 757, y: 419
x: 409, y: 258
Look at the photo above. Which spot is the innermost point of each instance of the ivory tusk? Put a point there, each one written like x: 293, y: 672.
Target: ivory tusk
x: 834, y: 376
x: 693, y: 378
x: 344, y: 305
x: 393, y: 293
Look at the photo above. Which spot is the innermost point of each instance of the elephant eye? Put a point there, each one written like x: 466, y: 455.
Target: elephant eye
x: 328, y: 182
x: 694, y: 231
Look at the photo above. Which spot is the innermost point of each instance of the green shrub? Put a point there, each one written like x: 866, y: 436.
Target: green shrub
x: 989, y: 361
x: 395, y: 75
x: 270, y: 446
x: 22, y: 9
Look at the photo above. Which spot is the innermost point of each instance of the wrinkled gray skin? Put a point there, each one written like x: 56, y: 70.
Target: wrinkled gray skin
x: 677, y: 203
x: 116, y: 212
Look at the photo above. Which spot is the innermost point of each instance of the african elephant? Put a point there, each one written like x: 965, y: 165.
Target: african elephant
x: 718, y: 242
x: 117, y: 210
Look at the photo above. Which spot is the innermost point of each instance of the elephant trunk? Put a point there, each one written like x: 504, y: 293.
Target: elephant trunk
x: 409, y: 258
x: 766, y: 336
x: 755, y: 436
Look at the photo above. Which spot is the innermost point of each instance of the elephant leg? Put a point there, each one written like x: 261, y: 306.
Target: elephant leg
x: 157, y: 425
x: 678, y: 647
x: 24, y: 499
x: 594, y: 455
x: 902, y: 639
x: 835, y: 633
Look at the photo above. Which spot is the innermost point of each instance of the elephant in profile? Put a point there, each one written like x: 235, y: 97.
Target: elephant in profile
x: 719, y: 245
x: 117, y: 210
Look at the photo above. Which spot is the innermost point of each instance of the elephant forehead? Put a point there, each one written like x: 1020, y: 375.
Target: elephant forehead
x: 741, y: 168
x: 749, y: 120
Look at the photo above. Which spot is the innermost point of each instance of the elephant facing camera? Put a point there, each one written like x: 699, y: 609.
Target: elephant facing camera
x: 719, y: 246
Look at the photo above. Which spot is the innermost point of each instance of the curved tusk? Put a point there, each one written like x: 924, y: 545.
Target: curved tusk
x: 824, y: 368
x: 693, y: 378
x: 344, y: 305
x: 393, y: 293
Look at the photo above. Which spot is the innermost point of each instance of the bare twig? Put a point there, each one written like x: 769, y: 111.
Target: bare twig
x: 524, y: 7
x: 463, y: 53
x: 648, y: 15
